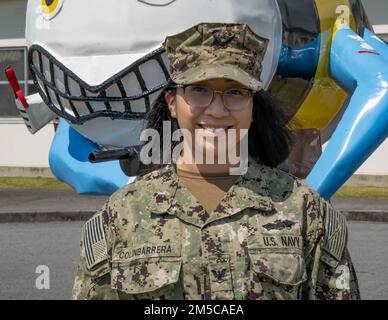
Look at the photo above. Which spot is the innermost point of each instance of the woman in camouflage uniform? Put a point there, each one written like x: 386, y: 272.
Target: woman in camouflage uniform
x: 194, y: 231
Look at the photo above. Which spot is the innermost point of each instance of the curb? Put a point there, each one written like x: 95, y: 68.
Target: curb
x: 29, y: 217
x: 367, y: 216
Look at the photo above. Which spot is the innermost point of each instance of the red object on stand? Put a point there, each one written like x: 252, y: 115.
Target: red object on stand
x: 14, y: 83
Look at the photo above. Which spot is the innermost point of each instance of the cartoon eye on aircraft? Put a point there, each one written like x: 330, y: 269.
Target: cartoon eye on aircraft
x: 99, y: 67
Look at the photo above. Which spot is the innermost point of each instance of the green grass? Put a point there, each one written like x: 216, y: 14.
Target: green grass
x: 362, y: 192
x: 32, y: 183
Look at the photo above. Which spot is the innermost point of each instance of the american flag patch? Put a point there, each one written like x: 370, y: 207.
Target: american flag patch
x: 335, y: 233
x: 93, y: 238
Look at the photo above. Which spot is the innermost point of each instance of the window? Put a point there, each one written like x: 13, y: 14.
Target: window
x: 17, y: 59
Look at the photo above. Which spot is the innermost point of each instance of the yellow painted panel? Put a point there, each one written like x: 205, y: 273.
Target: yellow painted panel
x: 325, y: 97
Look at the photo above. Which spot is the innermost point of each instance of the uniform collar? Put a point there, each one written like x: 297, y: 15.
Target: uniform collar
x: 249, y: 191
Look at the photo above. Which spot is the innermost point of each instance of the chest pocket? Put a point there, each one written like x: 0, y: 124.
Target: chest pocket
x: 148, y: 272
x: 276, y: 275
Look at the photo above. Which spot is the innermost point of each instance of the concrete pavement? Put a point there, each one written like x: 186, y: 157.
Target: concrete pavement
x: 361, y: 209
x: 42, y: 205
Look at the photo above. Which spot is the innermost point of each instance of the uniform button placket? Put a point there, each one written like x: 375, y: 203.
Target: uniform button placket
x: 205, y: 264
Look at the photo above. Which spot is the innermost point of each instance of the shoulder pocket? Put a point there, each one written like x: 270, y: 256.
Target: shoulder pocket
x: 283, y: 268
x: 145, y: 275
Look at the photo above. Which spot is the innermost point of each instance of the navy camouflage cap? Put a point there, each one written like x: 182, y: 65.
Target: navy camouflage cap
x: 217, y: 50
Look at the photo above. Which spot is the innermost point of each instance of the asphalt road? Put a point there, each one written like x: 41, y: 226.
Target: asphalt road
x: 25, y: 246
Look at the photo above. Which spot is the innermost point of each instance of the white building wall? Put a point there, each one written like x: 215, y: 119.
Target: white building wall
x: 377, y: 163
x: 19, y: 148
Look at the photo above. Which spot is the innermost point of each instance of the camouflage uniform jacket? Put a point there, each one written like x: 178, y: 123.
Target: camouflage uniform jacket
x: 271, y: 237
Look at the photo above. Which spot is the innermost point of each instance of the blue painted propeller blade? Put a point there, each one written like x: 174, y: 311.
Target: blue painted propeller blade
x: 362, y: 69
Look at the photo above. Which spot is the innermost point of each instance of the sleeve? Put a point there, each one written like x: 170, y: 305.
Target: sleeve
x: 331, y: 272
x: 92, y: 279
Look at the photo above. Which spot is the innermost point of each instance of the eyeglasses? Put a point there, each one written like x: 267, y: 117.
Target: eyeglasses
x: 234, y: 99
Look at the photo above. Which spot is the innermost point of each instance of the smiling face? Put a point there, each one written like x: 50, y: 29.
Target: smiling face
x: 209, y: 127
